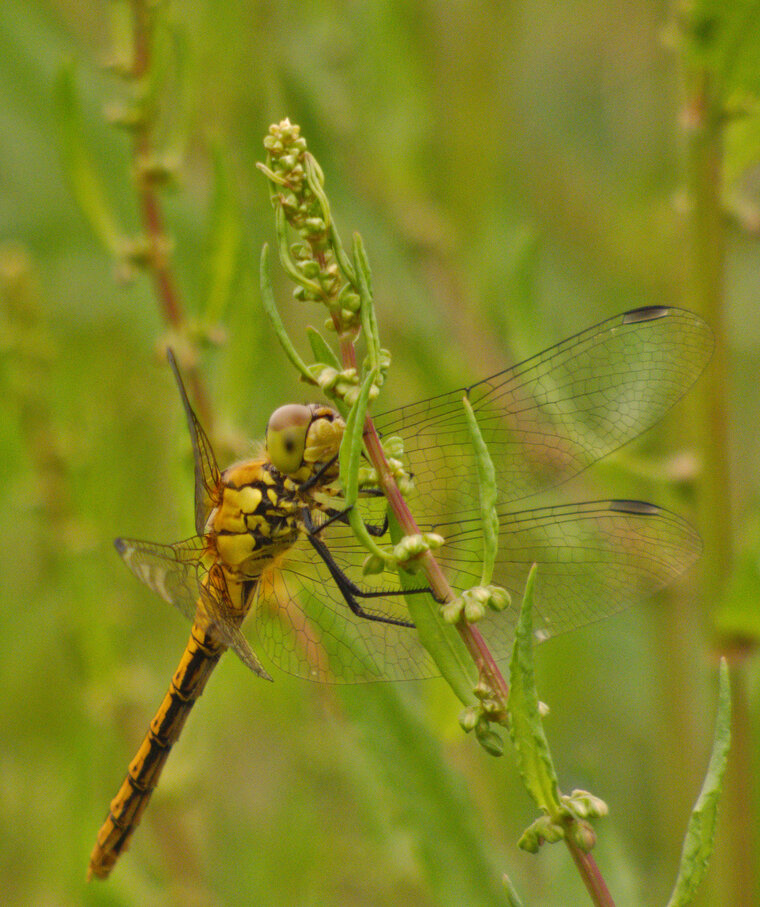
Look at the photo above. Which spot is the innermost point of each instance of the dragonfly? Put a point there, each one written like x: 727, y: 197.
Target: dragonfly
x: 271, y: 540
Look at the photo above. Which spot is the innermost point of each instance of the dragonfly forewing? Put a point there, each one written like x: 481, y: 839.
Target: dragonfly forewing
x: 550, y: 417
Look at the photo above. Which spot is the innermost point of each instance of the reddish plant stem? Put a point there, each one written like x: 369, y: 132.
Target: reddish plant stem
x: 152, y: 217
x: 442, y: 592
x: 471, y: 636
x: 592, y: 877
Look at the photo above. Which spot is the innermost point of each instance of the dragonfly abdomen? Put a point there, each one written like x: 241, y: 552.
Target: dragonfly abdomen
x: 198, y: 661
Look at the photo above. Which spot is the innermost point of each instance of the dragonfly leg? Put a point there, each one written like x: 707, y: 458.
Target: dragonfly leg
x: 375, y: 529
x: 350, y: 591
x: 317, y: 476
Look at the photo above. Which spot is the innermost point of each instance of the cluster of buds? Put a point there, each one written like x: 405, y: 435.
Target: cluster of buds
x: 405, y: 554
x: 300, y: 201
x: 394, y: 451
x: 471, y: 605
x: 340, y: 384
x: 479, y: 718
x: 411, y: 547
x: 571, y: 822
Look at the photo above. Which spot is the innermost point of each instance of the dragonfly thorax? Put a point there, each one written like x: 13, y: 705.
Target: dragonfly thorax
x: 256, y: 518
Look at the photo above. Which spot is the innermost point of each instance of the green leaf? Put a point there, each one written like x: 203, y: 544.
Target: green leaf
x: 86, y: 184
x: 512, y: 895
x: 364, y: 285
x: 267, y: 299
x: 350, y: 458
x: 286, y: 260
x: 439, y: 638
x: 533, y: 757
x: 700, y: 834
x: 322, y: 350
x: 352, y: 445
x: 487, y: 493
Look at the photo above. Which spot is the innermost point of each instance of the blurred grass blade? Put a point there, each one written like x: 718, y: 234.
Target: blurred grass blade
x: 403, y: 771
x: 700, y: 834
x: 439, y: 638
x: 533, y: 757
x: 487, y: 493
x: 86, y: 185
x: 224, y: 241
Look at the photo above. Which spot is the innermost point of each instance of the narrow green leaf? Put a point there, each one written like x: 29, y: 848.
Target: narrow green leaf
x: 352, y: 444
x: 86, y: 184
x: 322, y: 350
x: 439, y: 638
x: 533, y: 757
x: 700, y: 834
x: 225, y: 240
x: 286, y: 260
x: 267, y: 298
x: 367, y: 312
x: 512, y: 895
x: 350, y: 458
x: 487, y: 493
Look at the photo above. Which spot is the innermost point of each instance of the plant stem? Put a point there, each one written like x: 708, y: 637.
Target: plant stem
x: 152, y: 216
x: 592, y: 877
x: 704, y: 122
x: 470, y: 634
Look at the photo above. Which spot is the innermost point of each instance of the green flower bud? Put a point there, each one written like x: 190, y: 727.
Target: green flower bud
x: 394, y: 447
x: 373, y: 564
x: 473, y: 609
x: 585, y: 805
x: 452, y: 611
x: 468, y: 718
x: 583, y: 835
x: 327, y: 378
x: 313, y: 226
x: 482, y: 690
x: 433, y: 540
x: 309, y: 268
x: 350, y: 301
x: 489, y: 740
x: 498, y: 598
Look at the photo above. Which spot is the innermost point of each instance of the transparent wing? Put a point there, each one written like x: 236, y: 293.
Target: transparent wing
x: 552, y: 416
x: 594, y: 559
x: 225, y: 619
x: 178, y: 575
x: 306, y: 628
x: 171, y: 571
x: 207, y: 476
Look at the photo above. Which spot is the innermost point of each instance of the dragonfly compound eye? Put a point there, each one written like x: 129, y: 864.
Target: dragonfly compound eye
x: 286, y: 436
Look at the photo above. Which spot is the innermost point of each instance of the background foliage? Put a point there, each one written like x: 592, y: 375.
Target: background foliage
x: 518, y: 172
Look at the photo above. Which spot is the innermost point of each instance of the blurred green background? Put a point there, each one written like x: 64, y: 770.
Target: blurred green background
x: 517, y: 172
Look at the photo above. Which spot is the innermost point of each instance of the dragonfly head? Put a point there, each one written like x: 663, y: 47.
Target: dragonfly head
x: 302, y: 438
